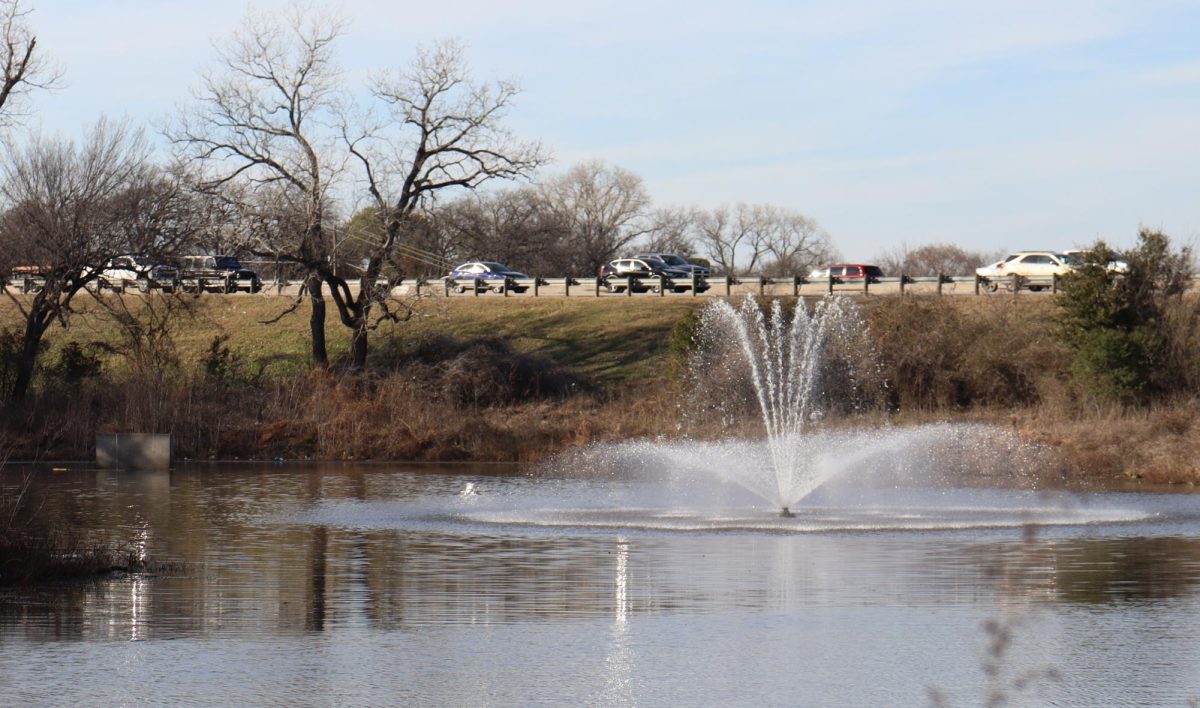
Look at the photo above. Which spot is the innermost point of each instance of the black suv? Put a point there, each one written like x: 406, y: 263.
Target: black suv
x: 218, y: 273
x: 646, y: 274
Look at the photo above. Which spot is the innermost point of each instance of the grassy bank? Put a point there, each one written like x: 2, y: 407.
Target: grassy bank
x: 518, y: 379
x: 462, y: 379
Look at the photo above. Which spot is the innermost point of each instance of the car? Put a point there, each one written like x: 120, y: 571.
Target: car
x: 141, y: 272
x: 1028, y: 264
x: 219, y: 273
x: 677, y: 262
x: 1115, y: 265
x: 645, y: 273
x: 847, y: 271
x: 487, y: 275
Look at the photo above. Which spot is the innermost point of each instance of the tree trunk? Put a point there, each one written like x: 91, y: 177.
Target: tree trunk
x: 358, y: 346
x: 27, y: 358
x: 316, y: 322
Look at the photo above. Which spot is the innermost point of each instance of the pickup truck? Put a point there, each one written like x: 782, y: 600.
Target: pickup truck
x: 222, y: 274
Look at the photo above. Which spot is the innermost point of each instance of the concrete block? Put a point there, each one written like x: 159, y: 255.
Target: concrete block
x: 135, y: 451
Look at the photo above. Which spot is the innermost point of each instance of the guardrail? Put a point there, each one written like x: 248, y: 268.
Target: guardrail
x: 660, y: 286
x: 798, y: 285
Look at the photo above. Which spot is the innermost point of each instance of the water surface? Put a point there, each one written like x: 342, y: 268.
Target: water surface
x: 386, y: 584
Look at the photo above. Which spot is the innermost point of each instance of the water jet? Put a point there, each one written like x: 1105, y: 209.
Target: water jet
x: 789, y: 360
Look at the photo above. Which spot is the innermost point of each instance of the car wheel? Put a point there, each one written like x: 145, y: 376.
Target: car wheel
x: 143, y: 285
x: 1036, y: 288
x: 460, y: 289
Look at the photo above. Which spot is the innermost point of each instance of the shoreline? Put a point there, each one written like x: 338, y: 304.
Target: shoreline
x: 466, y: 381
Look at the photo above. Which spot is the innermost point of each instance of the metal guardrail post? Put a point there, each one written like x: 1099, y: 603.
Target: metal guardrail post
x: 829, y: 285
x: 1054, y: 283
x: 1016, y: 284
x: 504, y: 288
x: 695, y: 284
x: 903, y: 280
x: 866, y: 284
x: 941, y: 279
x: 629, y: 286
x: 475, y: 286
x: 662, y: 285
x: 537, y: 280
x: 446, y: 282
x: 762, y: 286
x: 728, y: 285
x: 796, y: 285
x: 978, y: 280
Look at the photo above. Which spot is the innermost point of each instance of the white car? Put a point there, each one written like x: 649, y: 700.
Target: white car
x: 1114, y: 266
x: 139, y: 272
x: 1028, y: 264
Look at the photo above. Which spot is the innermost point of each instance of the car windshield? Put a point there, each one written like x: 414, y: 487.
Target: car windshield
x: 228, y: 262
x: 497, y: 267
x: 674, y: 260
x: 656, y: 263
x: 1070, y: 259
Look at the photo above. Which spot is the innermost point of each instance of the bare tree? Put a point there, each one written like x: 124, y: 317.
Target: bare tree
x: 261, y: 117
x: 441, y: 132
x: 602, y: 208
x: 795, y: 243
x: 68, y: 210
x: 720, y: 235
x: 23, y: 66
x: 761, y: 236
x: 512, y: 226
x: 932, y: 259
x: 671, y: 231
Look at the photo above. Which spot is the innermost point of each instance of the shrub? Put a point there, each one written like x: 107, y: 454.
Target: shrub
x: 74, y: 364
x: 481, y: 372
x: 943, y: 353
x: 1116, y: 323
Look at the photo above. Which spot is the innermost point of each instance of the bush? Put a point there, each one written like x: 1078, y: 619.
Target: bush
x: 1116, y: 323
x: 481, y: 372
x: 74, y: 364
x: 941, y: 353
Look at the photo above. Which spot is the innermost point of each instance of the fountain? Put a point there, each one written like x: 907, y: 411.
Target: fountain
x: 788, y: 359
x: 763, y: 428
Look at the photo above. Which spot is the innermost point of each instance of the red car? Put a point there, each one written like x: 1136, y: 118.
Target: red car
x: 847, y: 271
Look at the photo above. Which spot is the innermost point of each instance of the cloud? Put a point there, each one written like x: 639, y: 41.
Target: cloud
x: 883, y: 120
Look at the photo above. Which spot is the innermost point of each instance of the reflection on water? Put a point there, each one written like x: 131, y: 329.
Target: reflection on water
x: 372, y: 584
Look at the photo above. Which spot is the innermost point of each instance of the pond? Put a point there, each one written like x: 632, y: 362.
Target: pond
x: 392, y: 584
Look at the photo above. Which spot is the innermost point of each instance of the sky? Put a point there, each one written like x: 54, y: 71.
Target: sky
x: 1000, y: 125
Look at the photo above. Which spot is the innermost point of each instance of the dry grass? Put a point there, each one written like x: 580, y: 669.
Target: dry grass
x: 951, y: 354
x: 1157, y: 445
x: 518, y: 379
